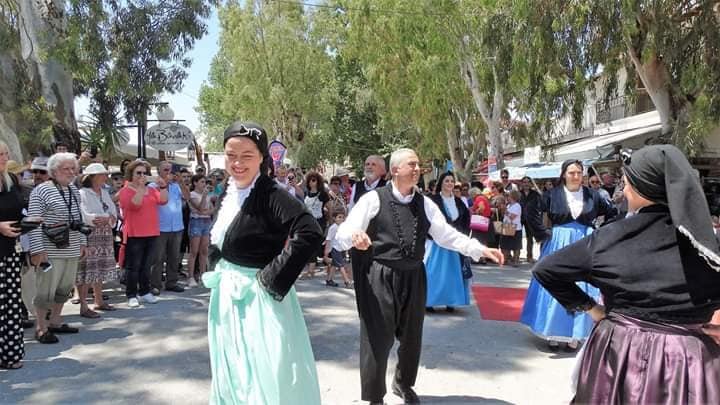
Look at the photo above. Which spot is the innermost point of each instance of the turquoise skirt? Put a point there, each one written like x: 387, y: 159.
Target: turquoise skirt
x: 260, y: 351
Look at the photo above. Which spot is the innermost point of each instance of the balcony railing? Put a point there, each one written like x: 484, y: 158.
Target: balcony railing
x: 622, y: 107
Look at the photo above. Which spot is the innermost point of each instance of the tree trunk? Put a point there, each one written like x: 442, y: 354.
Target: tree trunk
x: 8, y: 103
x: 42, y: 23
x: 656, y: 80
x: 490, y: 114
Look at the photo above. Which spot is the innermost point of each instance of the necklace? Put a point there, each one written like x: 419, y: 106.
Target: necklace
x: 405, y: 250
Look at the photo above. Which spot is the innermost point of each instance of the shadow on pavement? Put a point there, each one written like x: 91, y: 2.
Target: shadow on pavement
x: 460, y: 399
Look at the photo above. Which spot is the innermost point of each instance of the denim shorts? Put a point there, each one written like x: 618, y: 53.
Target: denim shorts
x: 199, y: 227
x: 338, y: 258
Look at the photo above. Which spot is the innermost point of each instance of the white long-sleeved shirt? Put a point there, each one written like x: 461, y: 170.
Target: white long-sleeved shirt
x: 442, y: 233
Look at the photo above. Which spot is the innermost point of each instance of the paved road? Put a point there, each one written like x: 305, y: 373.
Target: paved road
x: 158, y: 354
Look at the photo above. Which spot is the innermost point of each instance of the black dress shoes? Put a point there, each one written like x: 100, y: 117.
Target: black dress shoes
x: 407, y: 394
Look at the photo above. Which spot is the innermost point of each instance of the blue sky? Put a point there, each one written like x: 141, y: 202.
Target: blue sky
x: 184, y: 102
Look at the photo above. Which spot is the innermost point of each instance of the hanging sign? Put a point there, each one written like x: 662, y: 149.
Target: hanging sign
x: 168, y: 137
x: 277, y: 152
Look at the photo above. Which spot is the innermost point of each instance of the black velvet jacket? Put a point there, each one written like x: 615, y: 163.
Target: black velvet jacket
x: 257, y: 237
x: 531, y: 214
x: 555, y: 205
x: 462, y: 223
x: 642, y: 265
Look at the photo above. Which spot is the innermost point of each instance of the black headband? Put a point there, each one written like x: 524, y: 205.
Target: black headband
x: 249, y: 130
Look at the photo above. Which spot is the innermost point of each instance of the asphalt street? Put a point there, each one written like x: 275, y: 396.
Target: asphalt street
x: 157, y: 354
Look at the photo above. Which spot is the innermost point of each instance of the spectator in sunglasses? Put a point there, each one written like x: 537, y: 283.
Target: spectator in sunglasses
x: 595, y: 184
x: 40, y: 170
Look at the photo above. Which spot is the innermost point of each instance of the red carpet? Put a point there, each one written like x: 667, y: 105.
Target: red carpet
x: 499, y: 304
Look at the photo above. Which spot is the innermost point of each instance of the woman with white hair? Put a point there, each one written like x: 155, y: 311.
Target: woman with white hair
x: 56, y: 248
x: 12, y: 348
x: 98, y: 266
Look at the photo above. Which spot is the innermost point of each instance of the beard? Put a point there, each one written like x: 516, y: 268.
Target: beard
x: 370, y: 176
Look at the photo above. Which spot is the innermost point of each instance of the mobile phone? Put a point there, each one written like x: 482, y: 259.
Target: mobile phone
x: 45, y: 267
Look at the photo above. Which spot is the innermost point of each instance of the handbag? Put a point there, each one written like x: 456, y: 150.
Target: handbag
x: 58, y: 234
x: 498, y: 224
x: 479, y: 223
x: 508, y: 229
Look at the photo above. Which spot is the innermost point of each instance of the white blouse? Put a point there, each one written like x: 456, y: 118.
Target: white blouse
x: 231, y: 204
x: 575, y: 201
x: 450, y: 207
x: 91, y: 205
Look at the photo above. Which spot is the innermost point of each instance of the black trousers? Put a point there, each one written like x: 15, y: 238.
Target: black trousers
x: 391, y: 304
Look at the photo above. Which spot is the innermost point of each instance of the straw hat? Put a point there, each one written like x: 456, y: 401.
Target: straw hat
x: 95, y: 168
x: 15, y: 167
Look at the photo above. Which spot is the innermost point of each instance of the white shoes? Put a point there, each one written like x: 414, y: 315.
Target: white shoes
x: 149, y: 298
x: 133, y: 302
x: 192, y: 283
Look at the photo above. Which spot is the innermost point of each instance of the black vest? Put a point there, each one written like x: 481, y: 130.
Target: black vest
x: 392, y: 233
x: 360, y: 189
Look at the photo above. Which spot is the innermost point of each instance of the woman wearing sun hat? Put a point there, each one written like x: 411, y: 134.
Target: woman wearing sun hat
x: 98, y: 265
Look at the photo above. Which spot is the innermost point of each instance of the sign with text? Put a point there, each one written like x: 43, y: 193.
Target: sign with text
x: 169, y: 137
x: 531, y: 155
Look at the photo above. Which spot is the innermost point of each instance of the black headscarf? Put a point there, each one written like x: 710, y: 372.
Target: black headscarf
x: 662, y: 174
x: 255, y: 133
x: 565, y: 166
x: 438, y: 185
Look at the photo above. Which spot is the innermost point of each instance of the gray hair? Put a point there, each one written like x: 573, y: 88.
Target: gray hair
x: 379, y: 159
x: 59, y: 158
x: 4, y: 175
x: 474, y: 192
x: 399, y: 156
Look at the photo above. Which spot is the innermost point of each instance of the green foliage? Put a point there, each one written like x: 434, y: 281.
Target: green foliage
x: 271, y: 68
x: 125, y: 54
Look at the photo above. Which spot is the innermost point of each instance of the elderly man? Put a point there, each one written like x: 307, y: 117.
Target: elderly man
x: 388, y: 228
x: 56, y: 247
x: 39, y: 170
x: 374, y: 177
x: 171, y: 230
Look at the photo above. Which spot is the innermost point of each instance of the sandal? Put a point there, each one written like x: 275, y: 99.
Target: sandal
x: 104, y: 307
x: 89, y: 313
x: 46, y: 338
x: 13, y: 366
x: 64, y: 328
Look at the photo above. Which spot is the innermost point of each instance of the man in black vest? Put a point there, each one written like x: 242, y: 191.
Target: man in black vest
x: 374, y: 177
x: 387, y: 229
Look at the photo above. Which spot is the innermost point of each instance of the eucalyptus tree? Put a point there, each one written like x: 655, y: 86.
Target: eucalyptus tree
x: 272, y: 68
x: 670, y: 48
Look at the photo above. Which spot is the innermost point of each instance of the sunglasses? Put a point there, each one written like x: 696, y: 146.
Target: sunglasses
x: 594, y: 182
x: 141, y: 173
x: 291, y: 178
x: 504, y: 177
x: 36, y: 171
x: 105, y: 206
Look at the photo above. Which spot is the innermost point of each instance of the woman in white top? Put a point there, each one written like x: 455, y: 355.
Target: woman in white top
x: 201, y: 209
x: 511, y: 245
x: 98, y: 264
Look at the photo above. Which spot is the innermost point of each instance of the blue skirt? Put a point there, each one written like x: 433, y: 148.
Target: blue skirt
x: 445, y: 283
x: 541, y: 312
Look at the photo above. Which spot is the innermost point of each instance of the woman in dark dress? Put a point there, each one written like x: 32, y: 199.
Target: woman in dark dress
x: 571, y: 208
x: 659, y: 274
x: 12, y: 349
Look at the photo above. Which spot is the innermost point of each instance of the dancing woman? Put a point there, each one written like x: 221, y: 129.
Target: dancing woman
x: 259, y: 346
x: 571, y: 208
x: 445, y: 283
x: 659, y: 274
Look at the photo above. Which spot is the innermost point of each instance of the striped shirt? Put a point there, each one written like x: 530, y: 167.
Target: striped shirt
x: 47, y: 202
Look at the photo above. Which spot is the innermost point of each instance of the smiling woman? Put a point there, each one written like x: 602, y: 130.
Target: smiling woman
x: 260, y: 216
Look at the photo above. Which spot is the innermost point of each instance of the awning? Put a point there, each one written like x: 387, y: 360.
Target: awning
x: 546, y: 170
x: 588, y: 148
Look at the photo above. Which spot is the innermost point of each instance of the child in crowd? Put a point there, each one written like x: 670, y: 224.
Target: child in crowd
x: 333, y: 256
